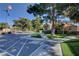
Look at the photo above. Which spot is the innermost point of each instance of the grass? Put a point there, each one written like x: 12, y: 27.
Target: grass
x: 66, y: 50
x: 70, y: 48
x: 36, y: 35
x: 50, y: 36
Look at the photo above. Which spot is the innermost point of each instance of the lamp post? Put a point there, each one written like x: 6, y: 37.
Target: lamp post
x: 8, y: 8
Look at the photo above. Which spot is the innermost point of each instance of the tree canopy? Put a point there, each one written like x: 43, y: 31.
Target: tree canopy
x: 3, y: 25
x: 37, y: 24
x: 23, y: 23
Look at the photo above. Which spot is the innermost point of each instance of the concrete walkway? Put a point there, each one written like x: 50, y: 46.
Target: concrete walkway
x: 66, y: 38
x: 58, y: 50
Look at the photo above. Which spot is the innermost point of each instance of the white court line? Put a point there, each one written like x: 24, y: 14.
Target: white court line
x: 21, y: 48
x: 6, y: 52
x: 7, y: 42
x: 37, y: 49
x: 12, y: 45
x: 9, y: 47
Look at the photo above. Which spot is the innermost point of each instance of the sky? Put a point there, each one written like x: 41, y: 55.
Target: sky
x: 18, y: 10
x: 63, y: 18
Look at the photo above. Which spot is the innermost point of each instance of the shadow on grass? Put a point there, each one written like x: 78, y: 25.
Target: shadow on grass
x: 73, y: 46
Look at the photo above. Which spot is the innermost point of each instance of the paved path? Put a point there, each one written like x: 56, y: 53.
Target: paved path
x: 58, y: 50
x: 66, y: 38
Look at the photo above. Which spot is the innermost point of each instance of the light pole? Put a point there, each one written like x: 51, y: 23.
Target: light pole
x: 8, y: 8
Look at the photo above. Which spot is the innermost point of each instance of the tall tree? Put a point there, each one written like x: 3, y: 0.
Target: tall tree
x: 36, y: 23
x: 72, y: 12
x: 50, y: 9
x: 23, y: 23
x: 53, y: 10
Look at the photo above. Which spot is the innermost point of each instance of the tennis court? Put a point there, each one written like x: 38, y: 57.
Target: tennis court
x: 18, y: 47
x: 22, y: 45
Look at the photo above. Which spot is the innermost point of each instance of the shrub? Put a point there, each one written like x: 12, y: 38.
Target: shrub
x: 74, y: 33
x: 49, y: 36
x: 47, y: 32
x: 2, y: 33
x: 59, y: 36
x: 9, y: 32
x: 36, y: 35
x: 58, y: 32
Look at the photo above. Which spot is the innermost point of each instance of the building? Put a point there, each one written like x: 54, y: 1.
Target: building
x: 4, y: 30
x: 69, y: 27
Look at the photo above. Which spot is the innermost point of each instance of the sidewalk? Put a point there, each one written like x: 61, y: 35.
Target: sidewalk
x: 58, y: 50
x: 66, y: 38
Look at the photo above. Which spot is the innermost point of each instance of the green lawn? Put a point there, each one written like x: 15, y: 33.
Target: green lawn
x: 70, y: 48
x: 66, y: 50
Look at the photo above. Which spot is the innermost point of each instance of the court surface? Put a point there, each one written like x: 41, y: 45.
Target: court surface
x: 20, y: 45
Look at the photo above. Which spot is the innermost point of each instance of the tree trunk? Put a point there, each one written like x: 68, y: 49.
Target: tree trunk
x: 53, y: 19
x: 53, y: 27
x: 63, y: 30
